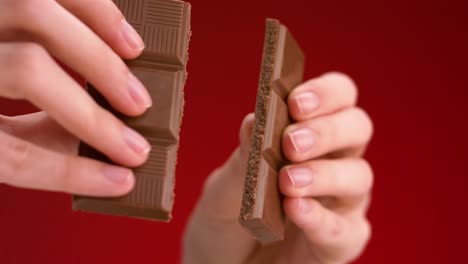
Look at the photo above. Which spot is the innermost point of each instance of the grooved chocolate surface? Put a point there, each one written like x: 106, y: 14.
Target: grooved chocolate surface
x: 282, y: 69
x: 165, y: 28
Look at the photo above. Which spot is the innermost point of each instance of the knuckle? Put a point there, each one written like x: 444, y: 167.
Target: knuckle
x: 29, y: 58
x: 326, y: 131
x: 360, y: 236
x: 368, y: 125
x: 245, y: 130
x: 342, y: 77
x: 65, y: 172
x: 89, y: 118
x: 18, y: 154
x: 341, y: 182
x: 364, y: 206
x: 366, y: 231
x: 118, y: 72
x: 368, y: 175
x: 6, y: 124
x: 346, y: 82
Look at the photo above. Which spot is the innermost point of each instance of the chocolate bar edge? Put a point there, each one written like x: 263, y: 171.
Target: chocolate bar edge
x: 266, y: 75
x: 113, y: 208
x: 262, y: 220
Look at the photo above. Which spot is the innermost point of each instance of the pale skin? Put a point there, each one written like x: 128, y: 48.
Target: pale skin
x: 326, y: 187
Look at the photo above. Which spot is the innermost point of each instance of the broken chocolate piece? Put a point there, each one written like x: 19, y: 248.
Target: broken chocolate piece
x: 164, y: 26
x: 282, y: 69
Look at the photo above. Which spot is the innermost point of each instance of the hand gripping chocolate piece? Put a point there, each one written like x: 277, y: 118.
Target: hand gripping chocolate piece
x: 282, y: 69
x: 164, y: 26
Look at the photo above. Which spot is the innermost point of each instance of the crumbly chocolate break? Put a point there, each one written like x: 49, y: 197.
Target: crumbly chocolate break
x: 282, y: 69
x: 164, y: 26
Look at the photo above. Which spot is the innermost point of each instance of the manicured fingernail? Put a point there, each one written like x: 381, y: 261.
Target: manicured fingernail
x: 299, y: 177
x: 116, y: 174
x: 136, y: 142
x: 131, y: 36
x: 307, y: 102
x: 302, y: 139
x: 138, y: 92
x: 304, y: 206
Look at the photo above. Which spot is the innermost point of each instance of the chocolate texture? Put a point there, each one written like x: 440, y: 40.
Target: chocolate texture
x: 282, y: 69
x: 164, y: 26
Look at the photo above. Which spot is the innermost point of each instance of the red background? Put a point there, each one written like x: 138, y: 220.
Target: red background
x: 410, y: 60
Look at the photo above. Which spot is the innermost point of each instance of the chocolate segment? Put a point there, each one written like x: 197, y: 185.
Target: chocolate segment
x: 282, y: 69
x: 165, y: 28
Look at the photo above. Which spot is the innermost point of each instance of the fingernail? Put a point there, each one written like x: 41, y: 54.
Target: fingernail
x: 307, y: 102
x: 299, y: 177
x: 304, y: 206
x: 116, y: 174
x: 136, y: 142
x: 302, y: 139
x: 131, y: 36
x: 138, y: 92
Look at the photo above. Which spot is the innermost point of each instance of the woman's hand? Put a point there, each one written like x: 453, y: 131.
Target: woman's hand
x: 90, y: 37
x: 326, y: 188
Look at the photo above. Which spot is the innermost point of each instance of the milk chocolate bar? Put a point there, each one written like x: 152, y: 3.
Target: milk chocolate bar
x: 282, y: 69
x: 164, y: 26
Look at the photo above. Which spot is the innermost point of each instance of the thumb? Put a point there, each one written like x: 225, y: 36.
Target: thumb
x: 214, y: 229
x: 222, y: 192
x: 245, y: 136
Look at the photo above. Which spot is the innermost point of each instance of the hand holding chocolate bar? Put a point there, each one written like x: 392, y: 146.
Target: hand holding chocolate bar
x: 314, y: 173
x: 39, y: 150
x: 306, y: 189
x: 326, y: 187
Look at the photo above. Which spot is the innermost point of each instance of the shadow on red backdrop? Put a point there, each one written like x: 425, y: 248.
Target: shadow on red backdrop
x: 410, y: 60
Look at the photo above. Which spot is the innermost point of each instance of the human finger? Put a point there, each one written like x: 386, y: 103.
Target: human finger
x: 323, y: 95
x: 52, y: 137
x: 350, y: 180
x: 347, y: 129
x: 336, y: 239
x: 28, y: 166
x: 106, y: 20
x: 245, y: 134
x: 28, y: 72
x: 69, y: 40
x: 230, y: 174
